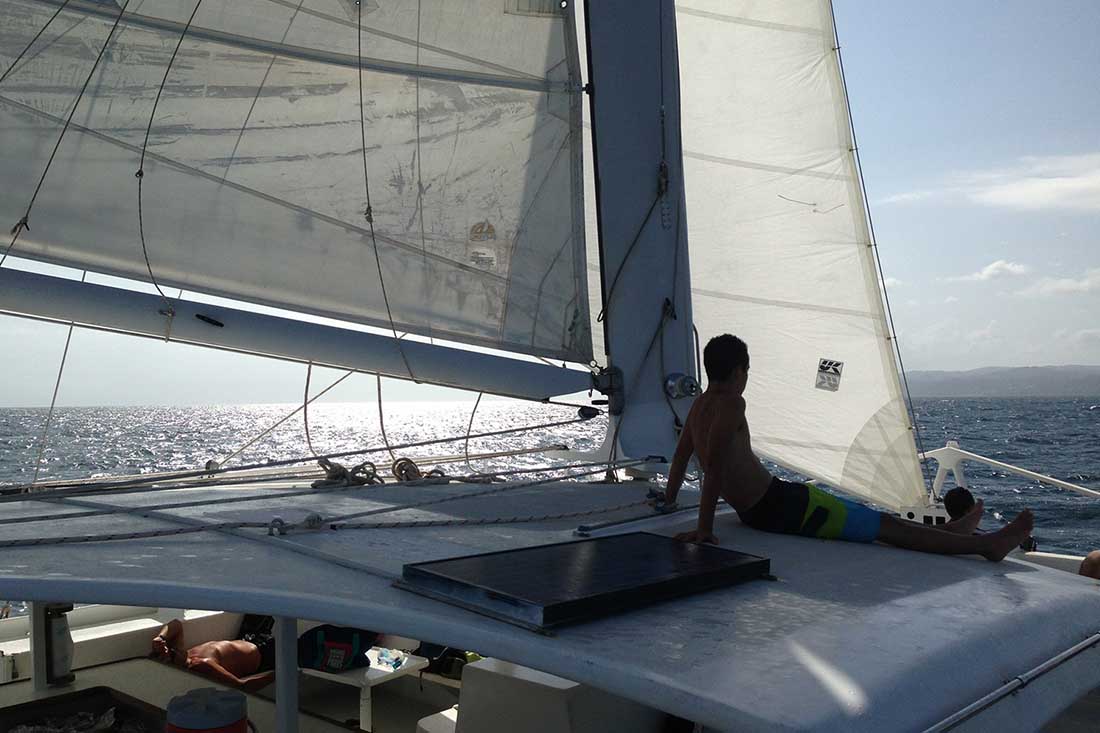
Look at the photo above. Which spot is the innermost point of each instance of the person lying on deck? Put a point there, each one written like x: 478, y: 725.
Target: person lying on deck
x: 244, y: 663
x: 717, y: 432
x: 1090, y: 566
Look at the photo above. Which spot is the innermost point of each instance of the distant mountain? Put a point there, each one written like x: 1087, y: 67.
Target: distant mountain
x: 1044, y: 381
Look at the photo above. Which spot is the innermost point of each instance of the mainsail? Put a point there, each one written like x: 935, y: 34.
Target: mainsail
x: 254, y: 178
x: 780, y: 249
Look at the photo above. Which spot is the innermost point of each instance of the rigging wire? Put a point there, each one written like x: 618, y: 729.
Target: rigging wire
x: 893, y: 336
x: 369, y: 212
x: 24, y: 222
x: 83, y: 486
x: 169, y: 311
x: 283, y: 419
x: 259, y: 91
x: 42, y: 441
x: 33, y: 41
x: 338, y: 522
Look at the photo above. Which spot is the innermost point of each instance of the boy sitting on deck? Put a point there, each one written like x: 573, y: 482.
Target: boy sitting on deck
x: 717, y: 432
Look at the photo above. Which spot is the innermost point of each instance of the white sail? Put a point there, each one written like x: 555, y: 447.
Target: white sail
x: 780, y: 250
x: 253, y: 181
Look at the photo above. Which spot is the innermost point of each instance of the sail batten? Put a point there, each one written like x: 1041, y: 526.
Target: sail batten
x: 254, y: 178
x: 781, y: 252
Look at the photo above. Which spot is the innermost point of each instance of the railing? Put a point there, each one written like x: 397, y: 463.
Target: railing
x: 950, y: 458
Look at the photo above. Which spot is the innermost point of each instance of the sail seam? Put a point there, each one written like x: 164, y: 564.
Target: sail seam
x: 409, y: 42
x: 786, y: 304
x: 185, y: 168
x: 739, y: 20
x: 333, y: 58
x: 807, y: 171
x: 33, y: 41
x: 23, y: 224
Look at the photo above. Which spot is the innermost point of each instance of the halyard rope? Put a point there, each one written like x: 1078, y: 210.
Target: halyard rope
x: 369, y: 212
x: 169, y: 311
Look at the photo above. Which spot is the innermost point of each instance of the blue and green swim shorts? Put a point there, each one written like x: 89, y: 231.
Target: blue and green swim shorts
x: 804, y: 509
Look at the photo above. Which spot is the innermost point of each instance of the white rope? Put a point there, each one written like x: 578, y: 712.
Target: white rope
x: 282, y: 420
x: 42, y: 441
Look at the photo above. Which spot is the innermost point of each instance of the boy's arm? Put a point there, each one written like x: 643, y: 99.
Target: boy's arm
x: 684, y: 450
x: 714, y: 478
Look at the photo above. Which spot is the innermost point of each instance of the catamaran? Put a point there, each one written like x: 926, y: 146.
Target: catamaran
x: 528, y: 198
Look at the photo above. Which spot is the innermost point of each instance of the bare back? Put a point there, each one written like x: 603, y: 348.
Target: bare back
x: 723, y: 447
x: 240, y: 658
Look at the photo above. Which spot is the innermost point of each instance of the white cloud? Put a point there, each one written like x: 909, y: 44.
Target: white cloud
x: 993, y: 270
x: 1065, y: 285
x: 892, y: 282
x: 983, y: 334
x: 1086, y: 335
x: 950, y: 299
x: 907, y: 197
x: 1033, y: 183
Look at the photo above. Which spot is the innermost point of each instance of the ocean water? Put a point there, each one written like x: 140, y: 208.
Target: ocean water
x: 1058, y: 437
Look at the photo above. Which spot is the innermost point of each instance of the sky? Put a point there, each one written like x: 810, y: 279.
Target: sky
x: 979, y: 132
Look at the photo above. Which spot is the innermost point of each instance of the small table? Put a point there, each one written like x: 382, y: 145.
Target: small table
x: 367, y: 677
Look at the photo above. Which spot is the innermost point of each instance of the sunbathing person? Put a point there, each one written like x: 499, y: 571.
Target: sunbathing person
x: 245, y: 663
x: 717, y: 432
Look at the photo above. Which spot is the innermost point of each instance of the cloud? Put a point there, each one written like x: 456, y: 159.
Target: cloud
x: 907, y: 197
x: 892, y: 282
x: 950, y: 299
x: 983, y: 334
x: 1088, y: 282
x: 993, y: 270
x: 1086, y: 336
x: 1033, y: 183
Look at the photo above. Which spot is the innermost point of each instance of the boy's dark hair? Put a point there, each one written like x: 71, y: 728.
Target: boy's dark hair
x: 722, y: 355
x: 958, y: 502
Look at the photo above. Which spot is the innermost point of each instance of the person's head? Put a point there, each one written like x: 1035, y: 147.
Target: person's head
x: 726, y: 360
x: 1090, y: 566
x: 958, y: 502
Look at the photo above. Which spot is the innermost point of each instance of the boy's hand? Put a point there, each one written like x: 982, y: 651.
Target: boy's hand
x: 698, y: 536
x: 659, y: 501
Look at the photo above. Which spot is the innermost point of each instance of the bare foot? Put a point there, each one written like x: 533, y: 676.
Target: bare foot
x: 1004, y: 540
x: 967, y: 523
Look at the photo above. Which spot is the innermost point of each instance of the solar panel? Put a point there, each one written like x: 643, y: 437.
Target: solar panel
x: 552, y: 585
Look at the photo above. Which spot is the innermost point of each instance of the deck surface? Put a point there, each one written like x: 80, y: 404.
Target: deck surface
x: 851, y: 637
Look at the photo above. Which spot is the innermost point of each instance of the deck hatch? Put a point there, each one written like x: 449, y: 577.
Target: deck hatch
x: 552, y: 585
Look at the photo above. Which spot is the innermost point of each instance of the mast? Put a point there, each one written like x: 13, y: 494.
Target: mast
x: 635, y: 110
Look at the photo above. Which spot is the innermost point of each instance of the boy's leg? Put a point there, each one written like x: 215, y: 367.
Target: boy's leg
x: 993, y: 546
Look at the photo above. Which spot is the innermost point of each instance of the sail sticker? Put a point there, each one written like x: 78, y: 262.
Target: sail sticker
x: 828, y: 374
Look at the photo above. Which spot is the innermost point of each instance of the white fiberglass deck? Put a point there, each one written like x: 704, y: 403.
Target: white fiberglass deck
x: 851, y: 637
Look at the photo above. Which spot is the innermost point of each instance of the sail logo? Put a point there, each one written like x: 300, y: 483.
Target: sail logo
x: 828, y: 374
x: 483, y: 231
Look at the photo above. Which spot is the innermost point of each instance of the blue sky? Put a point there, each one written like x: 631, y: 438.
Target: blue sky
x: 979, y: 129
